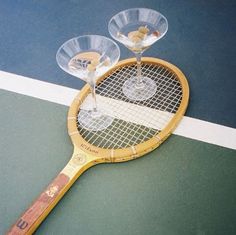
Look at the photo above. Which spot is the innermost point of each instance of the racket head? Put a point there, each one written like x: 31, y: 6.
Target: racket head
x: 173, y: 105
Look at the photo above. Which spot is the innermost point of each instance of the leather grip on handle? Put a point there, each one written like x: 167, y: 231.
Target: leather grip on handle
x: 31, y: 217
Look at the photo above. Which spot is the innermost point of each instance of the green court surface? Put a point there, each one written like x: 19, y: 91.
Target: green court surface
x: 183, y: 187
x: 187, y: 186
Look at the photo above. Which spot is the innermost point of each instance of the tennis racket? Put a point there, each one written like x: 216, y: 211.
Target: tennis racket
x: 138, y: 128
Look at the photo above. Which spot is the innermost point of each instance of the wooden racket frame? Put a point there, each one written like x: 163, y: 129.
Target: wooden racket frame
x: 120, y: 155
x: 86, y: 155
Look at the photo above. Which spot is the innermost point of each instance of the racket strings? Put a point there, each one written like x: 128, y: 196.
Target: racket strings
x: 135, y: 121
x: 165, y: 80
x: 114, y: 136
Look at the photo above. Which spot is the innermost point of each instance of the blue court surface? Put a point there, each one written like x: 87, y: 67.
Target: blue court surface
x: 186, y: 186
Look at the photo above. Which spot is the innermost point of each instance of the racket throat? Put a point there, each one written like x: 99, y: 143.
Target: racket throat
x: 79, y: 163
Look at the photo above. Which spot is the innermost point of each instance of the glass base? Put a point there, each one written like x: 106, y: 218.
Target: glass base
x: 94, y: 121
x: 142, y: 92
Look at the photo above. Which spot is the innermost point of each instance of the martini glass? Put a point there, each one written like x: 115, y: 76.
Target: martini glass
x: 138, y: 29
x: 88, y: 57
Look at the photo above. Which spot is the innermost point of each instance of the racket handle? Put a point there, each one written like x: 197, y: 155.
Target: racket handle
x: 36, y: 213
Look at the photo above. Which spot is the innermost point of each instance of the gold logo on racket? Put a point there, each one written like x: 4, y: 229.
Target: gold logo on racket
x: 52, y: 190
x: 79, y: 159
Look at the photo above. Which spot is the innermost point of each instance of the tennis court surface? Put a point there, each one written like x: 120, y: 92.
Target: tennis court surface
x: 186, y: 186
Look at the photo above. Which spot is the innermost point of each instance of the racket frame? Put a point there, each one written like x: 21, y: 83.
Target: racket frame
x: 130, y: 153
x: 86, y: 155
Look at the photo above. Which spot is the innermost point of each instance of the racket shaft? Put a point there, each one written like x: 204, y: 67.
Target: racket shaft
x: 36, y: 213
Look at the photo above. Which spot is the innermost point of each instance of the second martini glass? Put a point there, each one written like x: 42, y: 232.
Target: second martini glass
x: 138, y: 29
x: 88, y: 57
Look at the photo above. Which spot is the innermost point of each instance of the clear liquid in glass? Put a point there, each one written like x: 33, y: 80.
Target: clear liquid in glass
x: 78, y: 65
x: 151, y: 37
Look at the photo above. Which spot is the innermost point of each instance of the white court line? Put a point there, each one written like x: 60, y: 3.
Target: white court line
x: 148, y: 117
x: 189, y: 127
x: 36, y: 88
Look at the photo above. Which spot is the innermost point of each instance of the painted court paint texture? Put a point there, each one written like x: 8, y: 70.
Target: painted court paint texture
x: 186, y: 186
x: 195, y: 177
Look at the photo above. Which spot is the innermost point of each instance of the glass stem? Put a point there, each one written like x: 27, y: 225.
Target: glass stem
x: 139, y: 83
x: 92, y: 84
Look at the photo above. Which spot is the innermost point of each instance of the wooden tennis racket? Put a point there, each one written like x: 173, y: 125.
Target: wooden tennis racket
x: 138, y: 128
